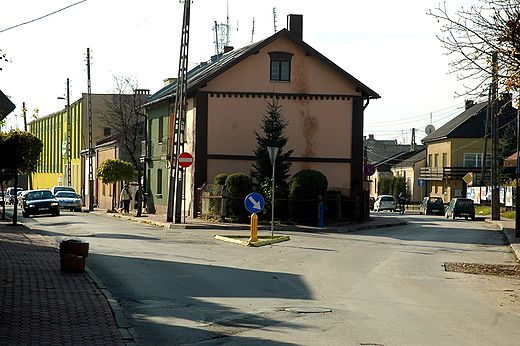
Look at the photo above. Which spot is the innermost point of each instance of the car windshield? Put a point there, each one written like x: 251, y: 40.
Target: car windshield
x: 39, y: 195
x: 464, y: 203
x: 387, y: 199
x: 66, y: 194
x: 436, y: 201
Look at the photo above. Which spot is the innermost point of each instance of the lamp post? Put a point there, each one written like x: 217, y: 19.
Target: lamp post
x: 69, y: 136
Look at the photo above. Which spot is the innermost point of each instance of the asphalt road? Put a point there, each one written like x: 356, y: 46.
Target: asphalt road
x: 375, y: 287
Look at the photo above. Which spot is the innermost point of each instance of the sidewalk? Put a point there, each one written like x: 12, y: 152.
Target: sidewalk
x: 40, y: 304
x: 508, y: 227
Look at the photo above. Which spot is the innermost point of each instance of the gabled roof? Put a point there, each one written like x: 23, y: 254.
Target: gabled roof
x: 396, y: 159
x: 412, y: 160
x: 473, y: 120
x: 205, y: 72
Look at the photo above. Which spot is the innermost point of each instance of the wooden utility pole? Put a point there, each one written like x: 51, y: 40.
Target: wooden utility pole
x: 178, y: 120
x: 495, y: 176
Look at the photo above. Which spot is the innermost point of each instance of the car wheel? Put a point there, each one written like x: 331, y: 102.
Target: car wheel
x: 447, y: 215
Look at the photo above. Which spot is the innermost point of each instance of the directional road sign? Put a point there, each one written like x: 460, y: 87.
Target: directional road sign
x: 185, y: 160
x: 254, y: 202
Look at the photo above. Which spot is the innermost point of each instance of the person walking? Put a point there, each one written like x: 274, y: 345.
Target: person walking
x: 401, y: 201
x: 125, y: 198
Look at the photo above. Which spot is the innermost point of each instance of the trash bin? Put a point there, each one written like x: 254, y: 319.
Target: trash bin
x: 73, y: 254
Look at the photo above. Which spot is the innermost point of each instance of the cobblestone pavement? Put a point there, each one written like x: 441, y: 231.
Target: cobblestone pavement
x: 42, y: 305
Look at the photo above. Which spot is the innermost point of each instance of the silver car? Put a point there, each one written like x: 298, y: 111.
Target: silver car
x: 68, y: 200
x: 385, y: 202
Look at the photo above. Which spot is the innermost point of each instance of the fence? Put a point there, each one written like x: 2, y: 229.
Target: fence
x: 212, y: 203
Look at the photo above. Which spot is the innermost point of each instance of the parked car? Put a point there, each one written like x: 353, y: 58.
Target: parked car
x: 56, y: 189
x: 371, y: 202
x: 68, y: 200
x: 385, y: 202
x: 11, y: 194
x: 460, y: 207
x: 39, y: 202
x: 431, y: 205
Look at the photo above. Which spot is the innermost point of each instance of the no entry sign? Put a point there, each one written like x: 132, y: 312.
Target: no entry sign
x: 185, y: 160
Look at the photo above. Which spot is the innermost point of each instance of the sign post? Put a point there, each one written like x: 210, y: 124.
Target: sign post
x: 185, y: 160
x: 273, y: 151
x: 254, y: 203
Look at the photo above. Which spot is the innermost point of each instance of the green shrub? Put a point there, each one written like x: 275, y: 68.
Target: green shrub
x: 307, y: 185
x: 238, y: 186
x: 220, y: 179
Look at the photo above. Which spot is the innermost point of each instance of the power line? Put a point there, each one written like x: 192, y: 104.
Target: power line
x: 47, y: 15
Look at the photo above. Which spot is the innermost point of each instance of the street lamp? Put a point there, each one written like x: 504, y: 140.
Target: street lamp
x: 68, y: 144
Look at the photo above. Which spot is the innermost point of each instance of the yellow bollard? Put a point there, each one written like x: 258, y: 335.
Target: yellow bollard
x: 254, y: 227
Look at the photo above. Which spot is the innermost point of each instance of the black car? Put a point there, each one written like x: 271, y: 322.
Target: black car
x: 431, y: 205
x: 39, y: 202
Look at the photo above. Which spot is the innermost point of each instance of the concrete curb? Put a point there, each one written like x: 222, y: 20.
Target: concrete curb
x: 515, y: 247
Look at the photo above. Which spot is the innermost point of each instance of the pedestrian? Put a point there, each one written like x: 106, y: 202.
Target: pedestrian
x: 125, y: 199
x: 402, y: 200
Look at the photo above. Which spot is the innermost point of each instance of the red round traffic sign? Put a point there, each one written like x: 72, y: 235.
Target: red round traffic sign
x: 369, y: 169
x: 185, y: 160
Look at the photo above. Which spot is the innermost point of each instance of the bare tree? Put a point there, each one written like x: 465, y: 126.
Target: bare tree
x: 125, y: 116
x: 473, y: 35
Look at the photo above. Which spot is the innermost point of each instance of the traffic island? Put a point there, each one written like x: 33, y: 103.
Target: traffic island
x: 245, y: 240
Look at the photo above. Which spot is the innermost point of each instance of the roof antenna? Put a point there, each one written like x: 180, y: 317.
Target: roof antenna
x: 274, y: 19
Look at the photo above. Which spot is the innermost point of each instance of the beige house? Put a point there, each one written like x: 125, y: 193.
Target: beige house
x: 410, y: 170
x: 322, y: 103
x: 460, y: 147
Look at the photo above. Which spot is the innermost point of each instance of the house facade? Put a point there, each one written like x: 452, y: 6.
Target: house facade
x: 462, y: 146
x: 65, y: 135
x: 227, y: 98
x: 410, y: 170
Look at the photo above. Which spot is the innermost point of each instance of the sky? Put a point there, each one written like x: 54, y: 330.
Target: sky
x: 390, y: 46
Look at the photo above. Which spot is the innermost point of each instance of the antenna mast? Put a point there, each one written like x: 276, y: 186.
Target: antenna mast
x: 253, y: 30
x: 274, y: 19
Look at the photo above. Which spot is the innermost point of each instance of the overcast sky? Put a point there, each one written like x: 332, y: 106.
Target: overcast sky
x: 388, y: 45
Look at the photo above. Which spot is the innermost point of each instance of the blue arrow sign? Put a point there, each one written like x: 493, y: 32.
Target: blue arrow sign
x: 254, y: 202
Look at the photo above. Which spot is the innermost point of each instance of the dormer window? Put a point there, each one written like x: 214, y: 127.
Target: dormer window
x: 280, y: 66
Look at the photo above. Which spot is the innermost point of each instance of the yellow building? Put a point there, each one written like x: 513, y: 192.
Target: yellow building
x: 65, y: 134
x: 460, y: 147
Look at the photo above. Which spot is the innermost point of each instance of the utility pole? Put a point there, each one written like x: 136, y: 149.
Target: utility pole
x: 69, y: 153
x: 89, y: 112
x: 493, y: 103
x: 517, y: 219
x: 179, y: 123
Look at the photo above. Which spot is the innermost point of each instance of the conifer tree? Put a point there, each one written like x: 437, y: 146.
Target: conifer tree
x: 273, y: 127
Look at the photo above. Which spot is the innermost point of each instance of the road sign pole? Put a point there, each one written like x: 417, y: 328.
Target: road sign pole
x: 273, y: 151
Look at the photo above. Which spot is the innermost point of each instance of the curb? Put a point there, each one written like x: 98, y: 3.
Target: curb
x: 511, y: 240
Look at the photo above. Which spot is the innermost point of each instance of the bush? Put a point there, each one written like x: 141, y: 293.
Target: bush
x: 220, y: 179
x: 238, y: 186
x: 308, y: 184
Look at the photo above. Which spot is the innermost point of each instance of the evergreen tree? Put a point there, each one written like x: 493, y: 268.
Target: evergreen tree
x: 273, y: 127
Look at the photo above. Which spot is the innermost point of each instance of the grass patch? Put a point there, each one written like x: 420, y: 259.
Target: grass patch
x: 244, y: 240
x: 509, y: 215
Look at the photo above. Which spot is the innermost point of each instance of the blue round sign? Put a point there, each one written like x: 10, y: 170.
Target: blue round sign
x: 254, y: 202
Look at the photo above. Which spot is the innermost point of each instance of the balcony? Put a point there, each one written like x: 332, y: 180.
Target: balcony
x: 454, y: 173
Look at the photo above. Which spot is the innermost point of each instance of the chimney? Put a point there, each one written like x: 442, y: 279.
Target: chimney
x: 169, y: 81
x: 295, y: 24
x: 469, y: 104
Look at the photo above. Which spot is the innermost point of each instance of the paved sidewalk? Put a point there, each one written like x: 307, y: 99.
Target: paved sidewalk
x: 508, y: 227
x: 40, y: 304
